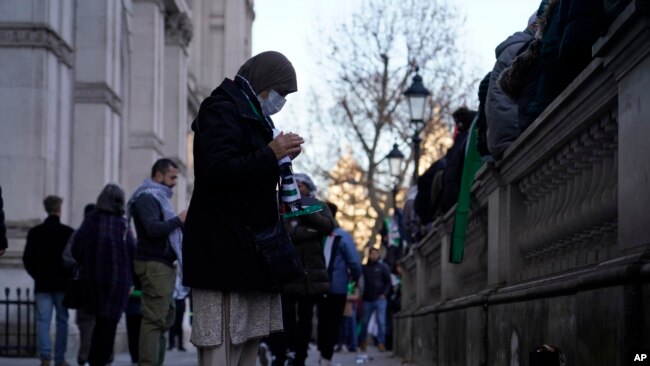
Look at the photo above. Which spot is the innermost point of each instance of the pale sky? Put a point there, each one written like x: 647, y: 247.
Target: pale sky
x: 299, y: 27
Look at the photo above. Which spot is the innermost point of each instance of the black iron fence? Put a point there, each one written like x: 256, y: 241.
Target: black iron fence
x: 18, y: 331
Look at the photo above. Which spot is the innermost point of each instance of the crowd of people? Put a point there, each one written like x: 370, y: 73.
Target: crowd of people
x: 212, y: 253
x: 533, y: 66
x: 140, y: 258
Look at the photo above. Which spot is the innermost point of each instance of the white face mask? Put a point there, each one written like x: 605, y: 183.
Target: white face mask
x: 272, y: 104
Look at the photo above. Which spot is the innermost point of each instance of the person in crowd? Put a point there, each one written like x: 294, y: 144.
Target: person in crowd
x: 343, y: 265
x: 3, y: 228
x: 348, y: 328
x: 376, y: 289
x: 481, y: 122
x: 42, y: 260
x: 236, y: 175
x: 104, y: 248
x: 133, y: 313
x: 412, y: 224
x: 501, y: 111
x: 159, y: 233
x: 85, y: 321
x: 176, y: 331
x: 429, y: 195
x: 299, y: 297
x: 455, y: 157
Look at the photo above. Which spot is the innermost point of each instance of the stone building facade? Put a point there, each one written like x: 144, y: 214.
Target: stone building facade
x: 94, y: 91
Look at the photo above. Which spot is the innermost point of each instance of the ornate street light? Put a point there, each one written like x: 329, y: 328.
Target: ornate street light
x: 417, y: 96
x: 395, y: 158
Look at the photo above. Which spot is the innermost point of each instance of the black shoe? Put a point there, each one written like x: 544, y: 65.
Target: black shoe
x: 182, y: 349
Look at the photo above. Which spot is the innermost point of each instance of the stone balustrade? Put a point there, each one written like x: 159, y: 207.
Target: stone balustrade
x: 558, y: 241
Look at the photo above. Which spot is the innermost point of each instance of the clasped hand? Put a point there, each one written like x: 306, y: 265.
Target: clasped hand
x: 287, y: 145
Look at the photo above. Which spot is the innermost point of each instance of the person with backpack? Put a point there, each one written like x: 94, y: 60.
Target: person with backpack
x: 343, y: 265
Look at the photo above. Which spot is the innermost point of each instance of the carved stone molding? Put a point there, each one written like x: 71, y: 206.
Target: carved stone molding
x: 160, y: 3
x: 98, y: 93
x: 145, y: 140
x: 36, y: 35
x: 178, y: 29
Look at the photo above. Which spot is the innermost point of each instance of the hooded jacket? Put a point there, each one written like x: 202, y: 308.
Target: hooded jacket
x: 307, y: 233
x: 500, y: 110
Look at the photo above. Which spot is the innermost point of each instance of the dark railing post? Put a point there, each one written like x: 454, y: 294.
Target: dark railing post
x: 19, y: 334
x: 28, y: 327
x: 6, y: 346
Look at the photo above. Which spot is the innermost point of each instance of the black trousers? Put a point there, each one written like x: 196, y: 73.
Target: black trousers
x: 297, y: 314
x: 101, y: 345
x: 177, y: 329
x: 133, y: 332
x: 330, y: 314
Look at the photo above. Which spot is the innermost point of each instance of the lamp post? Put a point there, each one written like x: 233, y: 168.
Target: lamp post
x: 417, y: 96
x: 395, y: 158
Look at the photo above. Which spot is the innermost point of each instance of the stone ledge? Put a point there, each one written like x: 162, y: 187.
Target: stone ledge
x: 98, y: 93
x: 36, y: 35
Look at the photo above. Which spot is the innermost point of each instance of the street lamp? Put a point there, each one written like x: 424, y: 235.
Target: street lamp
x: 395, y: 158
x: 417, y: 96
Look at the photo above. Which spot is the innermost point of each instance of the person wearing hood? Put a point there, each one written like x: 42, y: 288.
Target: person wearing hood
x: 309, y: 235
x: 501, y: 111
x: 236, y: 175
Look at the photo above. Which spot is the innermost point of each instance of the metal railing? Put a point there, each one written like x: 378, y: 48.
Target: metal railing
x: 19, y: 325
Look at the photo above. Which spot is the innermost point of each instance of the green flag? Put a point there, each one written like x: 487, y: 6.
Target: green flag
x: 472, y: 164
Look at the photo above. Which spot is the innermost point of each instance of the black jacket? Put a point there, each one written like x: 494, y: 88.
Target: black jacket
x: 43, y: 255
x: 3, y: 227
x: 236, y: 176
x: 376, y: 281
x: 153, y: 230
x: 307, y: 233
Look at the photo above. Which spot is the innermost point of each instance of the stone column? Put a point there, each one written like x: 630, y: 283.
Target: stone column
x: 146, y: 127
x: 36, y: 59
x: 178, y: 33
x: 98, y: 118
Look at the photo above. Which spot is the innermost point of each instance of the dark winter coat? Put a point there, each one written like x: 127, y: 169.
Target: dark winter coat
x: 426, y: 206
x: 307, y: 234
x: 43, y: 255
x: 104, y: 250
x: 376, y: 281
x: 453, y: 172
x: 552, y: 23
x: 3, y: 227
x: 584, y: 24
x: 153, y: 230
x: 236, y: 175
x: 501, y: 111
x: 481, y: 123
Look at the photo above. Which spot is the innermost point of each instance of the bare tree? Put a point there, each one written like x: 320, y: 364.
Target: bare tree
x: 372, y: 59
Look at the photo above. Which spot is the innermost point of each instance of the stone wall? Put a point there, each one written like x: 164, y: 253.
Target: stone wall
x: 558, y: 244
x: 94, y: 91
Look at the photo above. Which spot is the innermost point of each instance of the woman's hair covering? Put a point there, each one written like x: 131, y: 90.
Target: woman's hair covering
x: 269, y: 70
x: 304, y: 178
x: 111, y: 199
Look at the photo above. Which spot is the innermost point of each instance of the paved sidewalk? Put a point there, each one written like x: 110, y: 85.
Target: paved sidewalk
x: 175, y: 358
